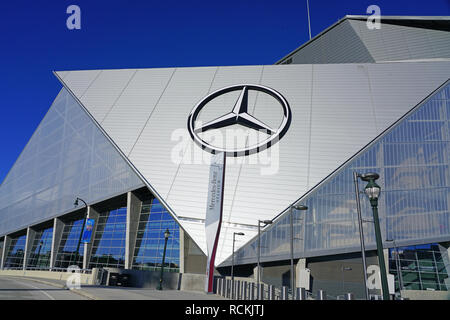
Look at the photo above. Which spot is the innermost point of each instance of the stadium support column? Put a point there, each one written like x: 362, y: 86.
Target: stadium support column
x: 28, y: 246
x: 133, y: 211
x: 87, y: 247
x: 444, y: 249
x: 58, y: 227
x: 6, y: 242
x: 181, y: 250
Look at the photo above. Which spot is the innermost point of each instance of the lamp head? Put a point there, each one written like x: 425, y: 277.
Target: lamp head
x: 266, y: 222
x: 166, y: 234
x: 76, y: 202
x: 372, y: 190
x: 239, y: 233
x: 300, y: 207
x: 370, y: 176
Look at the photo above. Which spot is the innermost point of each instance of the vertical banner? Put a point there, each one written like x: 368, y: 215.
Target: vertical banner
x: 87, y: 233
x: 213, y: 218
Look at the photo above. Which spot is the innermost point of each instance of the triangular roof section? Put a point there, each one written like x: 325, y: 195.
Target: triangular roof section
x: 398, y: 38
x: 67, y: 157
x: 337, y: 109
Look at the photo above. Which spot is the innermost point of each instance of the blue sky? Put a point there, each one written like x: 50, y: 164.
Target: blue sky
x: 143, y: 34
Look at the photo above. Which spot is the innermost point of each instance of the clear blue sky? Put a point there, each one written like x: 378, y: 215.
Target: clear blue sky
x: 142, y: 34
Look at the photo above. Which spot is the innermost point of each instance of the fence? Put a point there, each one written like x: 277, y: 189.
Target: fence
x: 248, y: 290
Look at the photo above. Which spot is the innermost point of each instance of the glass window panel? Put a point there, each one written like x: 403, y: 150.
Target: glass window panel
x: 154, y: 220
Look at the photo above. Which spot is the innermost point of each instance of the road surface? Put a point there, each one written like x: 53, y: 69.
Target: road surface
x: 14, y: 288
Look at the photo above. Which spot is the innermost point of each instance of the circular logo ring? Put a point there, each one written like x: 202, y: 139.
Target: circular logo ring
x: 239, y: 115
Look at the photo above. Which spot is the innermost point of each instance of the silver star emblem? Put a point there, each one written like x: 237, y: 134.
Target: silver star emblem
x: 239, y: 115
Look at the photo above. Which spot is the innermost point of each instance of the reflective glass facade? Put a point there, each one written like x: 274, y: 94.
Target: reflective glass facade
x: 15, y: 253
x: 41, y: 249
x: 66, y: 156
x: 153, y: 222
x: 412, y: 159
x: 423, y: 267
x: 108, y: 248
x: 68, y: 245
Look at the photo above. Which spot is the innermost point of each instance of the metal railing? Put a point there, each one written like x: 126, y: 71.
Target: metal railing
x: 248, y: 290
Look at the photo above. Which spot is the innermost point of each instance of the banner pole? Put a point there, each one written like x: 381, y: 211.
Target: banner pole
x: 214, y: 210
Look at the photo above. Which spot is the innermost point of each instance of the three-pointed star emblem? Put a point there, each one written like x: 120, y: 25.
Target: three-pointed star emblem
x: 239, y: 115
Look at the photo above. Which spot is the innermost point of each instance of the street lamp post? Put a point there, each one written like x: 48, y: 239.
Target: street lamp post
x: 166, y: 237
x: 372, y: 191
x: 258, y: 253
x: 361, y: 233
x: 82, y: 228
x: 294, y: 207
x: 397, y: 264
x: 232, y: 263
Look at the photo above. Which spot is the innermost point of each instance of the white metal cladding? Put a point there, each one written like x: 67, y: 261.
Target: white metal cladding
x: 396, y: 42
x: 339, y: 45
x: 336, y: 110
x: 67, y: 157
x: 350, y: 40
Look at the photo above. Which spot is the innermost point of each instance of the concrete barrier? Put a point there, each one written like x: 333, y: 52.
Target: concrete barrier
x: 321, y: 295
x: 349, y: 296
x: 192, y: 282
x: 300, y: 294
x: 245, y: 290
x: 284, y: 293
x: 237, y: 291
x: 251, y: 291
x: 425, y: 295
x: 271, y: 292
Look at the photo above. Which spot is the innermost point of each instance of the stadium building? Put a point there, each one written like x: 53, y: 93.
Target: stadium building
x: 357, y: 100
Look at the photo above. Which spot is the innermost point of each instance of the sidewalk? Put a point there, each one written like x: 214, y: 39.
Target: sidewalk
x: 94, y: 292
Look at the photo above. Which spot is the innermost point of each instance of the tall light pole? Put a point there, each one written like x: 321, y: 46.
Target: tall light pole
x: 166, y: 237
x: 232, y: 263
x: 82, y: 228
x: 361, y: 233
x: 258, y: 252
x: 397, y: 264
x: 372, y: 191
x: 294, y: 207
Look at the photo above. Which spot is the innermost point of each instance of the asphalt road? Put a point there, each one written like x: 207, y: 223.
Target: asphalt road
x: 24, y: 289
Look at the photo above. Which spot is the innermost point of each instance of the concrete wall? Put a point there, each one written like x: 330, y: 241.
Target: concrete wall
x: 194, y: 259
x: 338, y: 275
x: 192, y: 282
x: 277, y: 275
x: 425, y: 295
x: 171, y: 280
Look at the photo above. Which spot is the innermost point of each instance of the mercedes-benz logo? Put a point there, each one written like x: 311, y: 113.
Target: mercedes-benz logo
x: 239, y: 115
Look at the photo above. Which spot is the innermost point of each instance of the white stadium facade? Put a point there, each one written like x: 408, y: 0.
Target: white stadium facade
x: 352, y: 99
